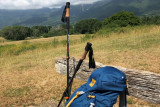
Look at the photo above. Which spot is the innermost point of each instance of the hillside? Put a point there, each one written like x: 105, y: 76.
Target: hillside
x: 99, y: 10
x: 27, y: 67
x: 24, y: 17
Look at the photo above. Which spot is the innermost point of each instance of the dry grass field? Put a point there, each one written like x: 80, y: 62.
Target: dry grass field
x: 27, y: 72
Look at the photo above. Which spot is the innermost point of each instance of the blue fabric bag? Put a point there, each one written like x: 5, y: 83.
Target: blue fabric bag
x: 102, y: 89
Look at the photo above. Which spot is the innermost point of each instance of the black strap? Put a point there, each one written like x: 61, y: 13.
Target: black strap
x: 91, y: 59
x: 123, y: 99
x: 63, y: 19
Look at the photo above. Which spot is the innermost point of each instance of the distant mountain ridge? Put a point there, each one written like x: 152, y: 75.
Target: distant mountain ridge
x: 99, y: 10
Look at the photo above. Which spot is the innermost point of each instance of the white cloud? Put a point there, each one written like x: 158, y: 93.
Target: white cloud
x: 74, y: 2
x: 35, y: 4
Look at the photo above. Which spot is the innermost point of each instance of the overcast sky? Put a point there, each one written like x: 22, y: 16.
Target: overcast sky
x: 35, y: 4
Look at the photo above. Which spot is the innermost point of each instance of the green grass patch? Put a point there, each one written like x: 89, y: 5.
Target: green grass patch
x: 63, y: 42
x: 136, y: 42
x: 15, y: 49
x: 55, y: 42
x: 86, y: 37
x: 125, y: 40
x: 106, y: 31
x: 16, y: 92
x: 129, y: 101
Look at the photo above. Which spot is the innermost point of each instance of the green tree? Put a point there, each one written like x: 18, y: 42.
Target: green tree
x: 87, y: 26
x: 122, y: 19
x: 16, y: 32
x: 35, y: 33
x: 64, y: 28
x: 7, y: 33
x: 40, y: 30
x: 151, y: 20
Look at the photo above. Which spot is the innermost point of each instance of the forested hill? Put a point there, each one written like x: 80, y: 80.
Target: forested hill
x: 99, y: 10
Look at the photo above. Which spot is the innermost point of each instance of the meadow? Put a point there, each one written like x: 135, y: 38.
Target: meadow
x: 27, y: 72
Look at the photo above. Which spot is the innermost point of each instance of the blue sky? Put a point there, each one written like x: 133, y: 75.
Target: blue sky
x: 36, y: 4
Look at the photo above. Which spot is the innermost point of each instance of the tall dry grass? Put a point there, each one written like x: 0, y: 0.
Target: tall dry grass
x: 27, y: 72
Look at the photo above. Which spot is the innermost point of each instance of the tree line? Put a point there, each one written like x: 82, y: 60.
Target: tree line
x: 22, y: 32
x: 90, y: 26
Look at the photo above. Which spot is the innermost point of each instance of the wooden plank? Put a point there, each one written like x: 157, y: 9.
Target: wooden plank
x: 142, y: 84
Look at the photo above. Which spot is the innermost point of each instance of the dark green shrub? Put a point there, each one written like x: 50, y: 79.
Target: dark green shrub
x: 38, y: 30
x: 88, y: 26
x: 148, y: 20
x: 122, y: 19
x: 16, y: 32
x: 46, y: 35
x: 86, y: 37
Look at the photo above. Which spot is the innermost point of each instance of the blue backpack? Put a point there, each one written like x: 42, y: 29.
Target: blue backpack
x: 102, y: 89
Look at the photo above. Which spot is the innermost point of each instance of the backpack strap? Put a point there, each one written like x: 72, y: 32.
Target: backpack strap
x: 91, y: 96
x: 77, y: 95
x: 123, y: 97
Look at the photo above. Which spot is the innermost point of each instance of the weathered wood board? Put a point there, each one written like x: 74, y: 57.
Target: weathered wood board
x: 142, y: 84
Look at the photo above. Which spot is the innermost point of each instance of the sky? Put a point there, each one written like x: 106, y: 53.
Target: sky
x: 36, y: 4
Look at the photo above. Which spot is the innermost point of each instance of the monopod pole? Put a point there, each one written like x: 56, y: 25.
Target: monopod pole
x: 66, y: 18
x: 67, y: 58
